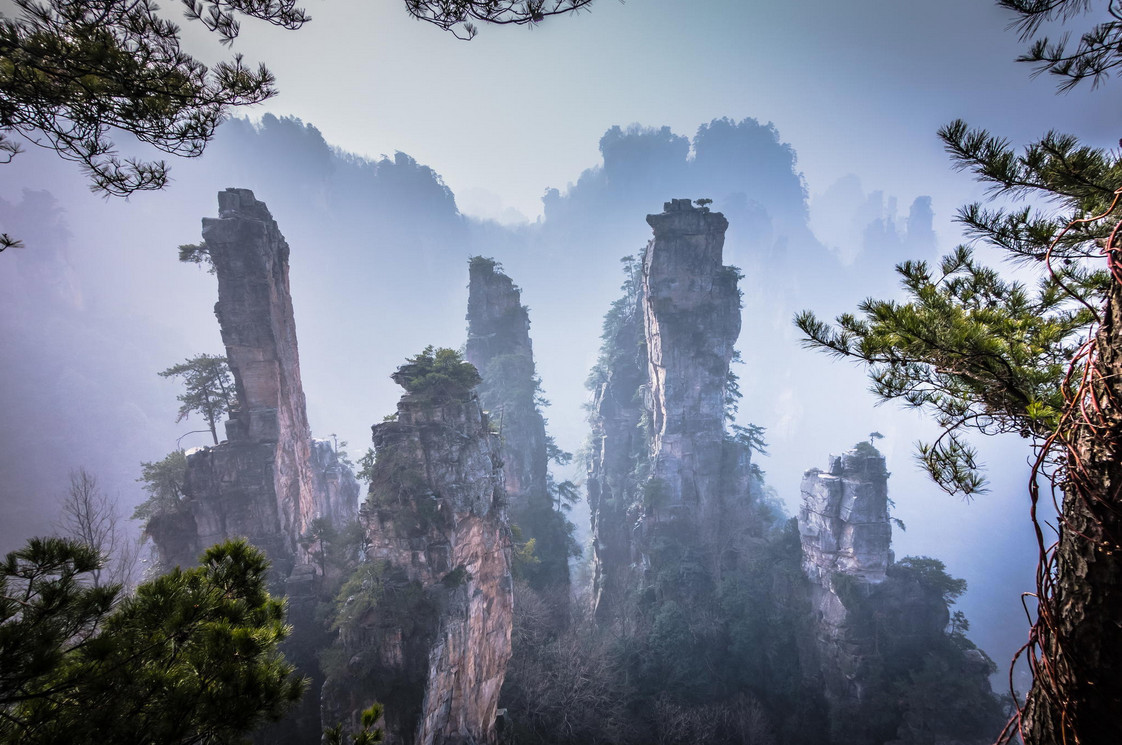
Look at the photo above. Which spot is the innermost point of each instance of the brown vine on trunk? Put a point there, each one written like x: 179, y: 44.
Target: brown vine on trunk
x: 1075, y: 646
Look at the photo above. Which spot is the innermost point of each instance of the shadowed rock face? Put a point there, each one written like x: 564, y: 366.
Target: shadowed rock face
x: 264, y: 482
x: 660, y: 453
x: 499, y: 346
x: 434, y: 639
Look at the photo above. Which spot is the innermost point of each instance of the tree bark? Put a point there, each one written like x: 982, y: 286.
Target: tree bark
x: 1076, y: 698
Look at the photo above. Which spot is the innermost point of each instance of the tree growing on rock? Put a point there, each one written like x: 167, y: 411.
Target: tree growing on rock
x: 438, y: 374
x: 209, y: 389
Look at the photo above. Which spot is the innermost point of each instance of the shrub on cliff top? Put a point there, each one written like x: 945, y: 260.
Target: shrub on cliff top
x: 438, y: 374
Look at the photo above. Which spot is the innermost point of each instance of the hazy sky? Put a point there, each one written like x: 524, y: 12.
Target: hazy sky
x: 857, y: 87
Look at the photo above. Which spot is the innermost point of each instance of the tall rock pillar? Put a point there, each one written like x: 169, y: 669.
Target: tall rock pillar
x: 499, y: 346
x: 661, y: 459
x: 691, y: 309
x: 263, y: 482
x: 426, y: 629
x: 846, y: 545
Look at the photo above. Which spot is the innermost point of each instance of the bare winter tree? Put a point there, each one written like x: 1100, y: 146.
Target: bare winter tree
x: 92, y: 517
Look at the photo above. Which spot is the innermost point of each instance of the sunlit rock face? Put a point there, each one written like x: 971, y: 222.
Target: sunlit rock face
x: 843, y: 521
x: 691, y: 308
x: 499, y: 346
x: 267, y: 481
x: 427, y: 632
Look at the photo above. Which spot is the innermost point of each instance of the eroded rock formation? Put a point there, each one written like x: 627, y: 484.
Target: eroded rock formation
x: 881, y: 627
x: 499, y: 346
x: 660, y: 451
x: 263, y: 482
x: 426, y: 627
x: 846, y: 537
x: 691, y: 308
x: 843, y: 522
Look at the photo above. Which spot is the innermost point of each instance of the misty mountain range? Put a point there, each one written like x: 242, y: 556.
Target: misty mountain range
x: 97, y: 304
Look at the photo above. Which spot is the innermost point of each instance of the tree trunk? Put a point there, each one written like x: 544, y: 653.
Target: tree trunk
x: 1076, y: 698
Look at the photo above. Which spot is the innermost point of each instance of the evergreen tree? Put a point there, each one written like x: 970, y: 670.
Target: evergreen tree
x: 209, y: 389
x: 1097, y: 53
x: 440, y: 375
x: 190, y: 658
x: 993, y: 355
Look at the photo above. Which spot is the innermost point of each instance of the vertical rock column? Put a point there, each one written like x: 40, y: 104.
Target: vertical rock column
x: 428, y: 632
x: 263, y: 482
x: 691, y: 308
x: 499, y: 346
x: 846, y: 544
x: 254, y: 310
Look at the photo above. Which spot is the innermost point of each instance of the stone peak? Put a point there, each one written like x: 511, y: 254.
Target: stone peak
x: 234, y: 202
x: 864, y: 459
x: 681, y: 216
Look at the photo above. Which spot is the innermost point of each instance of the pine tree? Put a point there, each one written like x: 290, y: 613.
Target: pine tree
x: 992, y: 355
x: 209, y: 389
x: 191, y: 657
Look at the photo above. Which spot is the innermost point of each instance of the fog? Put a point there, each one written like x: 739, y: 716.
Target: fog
x: 810, y: 126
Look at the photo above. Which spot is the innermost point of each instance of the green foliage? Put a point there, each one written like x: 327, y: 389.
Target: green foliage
x: 71, y: 72
x: 439, y: 375
x: 196, y: 253
x: 333, y: 550
x: 191, y: 657
x: 209, y: 389
x: 366, y: 466
x: 921, y: 682
x: 622, y: 323
x: 931, y: 574
x: 379, y: 585
x: 1095, y: 56
x: 524, y: 559
x: 456, y: 578
x: 484, y: 264
x: 368, y: 735
x: 163, y: 480
x: 458, y: 16
x: 978, y: 351
x: 750, y: 437
x: 47, y: 612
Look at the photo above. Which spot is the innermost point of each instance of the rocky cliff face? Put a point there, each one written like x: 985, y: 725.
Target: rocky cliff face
x: 846, y: 539
x: 660, y: 452
x: 499, y: 346
x: 426, y: 627
x: 843, y: 521
x: 263, y: 482
x: 269, y: 479
x: 880, y: 628
x: 691, y: 309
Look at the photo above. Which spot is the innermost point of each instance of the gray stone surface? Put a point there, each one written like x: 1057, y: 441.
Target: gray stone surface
x: 437, y: 515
